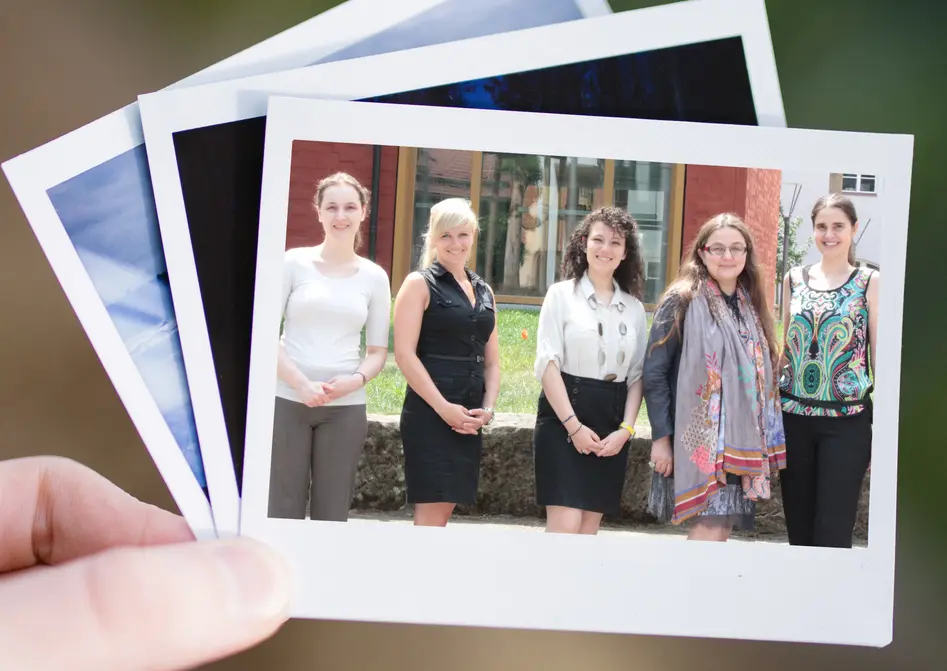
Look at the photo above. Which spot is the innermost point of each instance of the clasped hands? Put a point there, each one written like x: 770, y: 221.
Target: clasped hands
x: 586, y: 441
x: 315, y: 394
x: 462, y: 420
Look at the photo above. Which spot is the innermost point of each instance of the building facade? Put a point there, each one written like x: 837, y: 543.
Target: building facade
x: 528, y: 206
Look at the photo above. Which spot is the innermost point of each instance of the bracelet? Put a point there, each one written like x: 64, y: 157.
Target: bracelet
x: 569, y: 437
x: 568, y: 418
x: 364, y: 379
x: 629, y: 428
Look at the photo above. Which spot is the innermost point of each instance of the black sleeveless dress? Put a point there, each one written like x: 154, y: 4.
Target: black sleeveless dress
x: 441, y: 465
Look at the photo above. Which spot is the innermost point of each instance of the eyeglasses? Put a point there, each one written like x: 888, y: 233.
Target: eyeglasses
x: 720, y: 250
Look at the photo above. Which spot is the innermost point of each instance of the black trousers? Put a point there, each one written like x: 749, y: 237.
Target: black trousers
x: 826, y: 462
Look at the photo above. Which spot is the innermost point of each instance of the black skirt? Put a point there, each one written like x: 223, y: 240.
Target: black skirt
x: 441, y: 465
x: 564, y: 477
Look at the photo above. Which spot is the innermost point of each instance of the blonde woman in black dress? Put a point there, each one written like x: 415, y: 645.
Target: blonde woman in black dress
x: 446, y: 345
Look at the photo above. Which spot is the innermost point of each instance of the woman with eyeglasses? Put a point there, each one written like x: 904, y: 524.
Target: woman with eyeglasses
x: 710, y: 388
x: 591, y: 344
x: 831, y: 323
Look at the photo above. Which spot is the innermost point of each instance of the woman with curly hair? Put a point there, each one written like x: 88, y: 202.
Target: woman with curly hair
x: 710, y: 387
x: 591, y: 345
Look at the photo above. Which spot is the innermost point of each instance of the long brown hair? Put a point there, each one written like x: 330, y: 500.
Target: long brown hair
x: 630, y: 272
x: 839, y: 201
x: 343, y: 179
x: 694, y: 274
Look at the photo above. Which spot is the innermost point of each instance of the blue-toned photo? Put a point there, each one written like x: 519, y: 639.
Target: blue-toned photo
x: 460, y: 20
x: 109, y: 214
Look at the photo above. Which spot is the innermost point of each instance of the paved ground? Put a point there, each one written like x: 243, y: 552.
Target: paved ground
x: 536, y: 525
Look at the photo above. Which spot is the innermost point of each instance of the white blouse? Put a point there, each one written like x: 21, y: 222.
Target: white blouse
x: 569, y: 333
x: 324, y: 318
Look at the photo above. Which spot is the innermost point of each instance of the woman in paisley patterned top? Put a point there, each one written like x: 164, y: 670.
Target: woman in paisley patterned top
x: 830, y: 326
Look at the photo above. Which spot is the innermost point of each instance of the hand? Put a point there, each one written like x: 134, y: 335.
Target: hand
x: 586, y: 441
x: 343, y: 385
x: 91, y: 578
x: 663, y: 456
x: 314, y: 394
x: 614, y: 442
x: 483, y: 416
x: 459, y: 418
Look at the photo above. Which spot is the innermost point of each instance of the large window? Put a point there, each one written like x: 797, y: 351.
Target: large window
x: 529, y: 207
x: 644, y: 190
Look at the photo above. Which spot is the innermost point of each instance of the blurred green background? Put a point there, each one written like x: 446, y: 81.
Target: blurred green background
x: 843, y: 65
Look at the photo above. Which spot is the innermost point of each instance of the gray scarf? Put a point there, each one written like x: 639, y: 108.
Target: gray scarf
x: 727, y: 417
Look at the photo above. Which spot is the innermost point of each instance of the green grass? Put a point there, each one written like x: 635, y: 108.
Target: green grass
x: 519, y: 388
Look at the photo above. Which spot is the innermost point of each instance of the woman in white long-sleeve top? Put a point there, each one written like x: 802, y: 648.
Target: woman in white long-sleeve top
x: 591, y: 347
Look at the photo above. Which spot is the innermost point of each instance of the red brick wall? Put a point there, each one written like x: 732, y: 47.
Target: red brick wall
x: 752, y: 194
x: 311, y: 162
x: 708, y: 191
x: 762, y: 216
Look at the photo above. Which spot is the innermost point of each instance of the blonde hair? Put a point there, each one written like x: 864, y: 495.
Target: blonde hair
x: 445, y: 215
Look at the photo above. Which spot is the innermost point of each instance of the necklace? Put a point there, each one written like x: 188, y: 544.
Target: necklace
x: 622, y: 333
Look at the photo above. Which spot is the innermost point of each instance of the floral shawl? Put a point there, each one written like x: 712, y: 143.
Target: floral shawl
x: 727, y: 417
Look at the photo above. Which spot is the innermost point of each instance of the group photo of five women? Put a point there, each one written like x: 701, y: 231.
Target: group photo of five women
x: 733, y: 404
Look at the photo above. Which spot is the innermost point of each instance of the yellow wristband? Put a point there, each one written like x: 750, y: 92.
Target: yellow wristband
x: 629, y: 428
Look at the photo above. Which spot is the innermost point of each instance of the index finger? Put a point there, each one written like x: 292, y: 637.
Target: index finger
x: 53, y: 510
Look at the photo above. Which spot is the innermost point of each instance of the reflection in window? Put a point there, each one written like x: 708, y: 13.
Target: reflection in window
x: 644, y: 190
x: 441, y: 173
x: 529, y: 207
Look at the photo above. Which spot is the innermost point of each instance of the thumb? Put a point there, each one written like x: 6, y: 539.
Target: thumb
x: 159, y: 607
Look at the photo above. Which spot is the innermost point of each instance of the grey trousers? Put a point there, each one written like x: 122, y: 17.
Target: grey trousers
x: 315, y: 459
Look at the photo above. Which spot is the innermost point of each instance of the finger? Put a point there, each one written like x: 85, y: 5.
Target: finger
x: 174, y: 606
x: 53, y: 510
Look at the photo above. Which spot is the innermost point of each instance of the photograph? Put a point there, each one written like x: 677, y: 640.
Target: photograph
x: 107, y: 160
x: 89, y: 209
x: 658, y: 63
x: 569, y: 327
x: 528, y: 209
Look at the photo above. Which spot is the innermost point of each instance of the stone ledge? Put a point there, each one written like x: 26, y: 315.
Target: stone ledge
x: 507, y: 482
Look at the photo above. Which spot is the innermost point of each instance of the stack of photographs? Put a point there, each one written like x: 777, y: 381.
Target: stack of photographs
x: 190, y: 233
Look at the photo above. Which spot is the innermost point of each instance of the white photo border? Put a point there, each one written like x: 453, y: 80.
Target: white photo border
x: 462, y: 575
x: 167, y: 112
x: 31, y: 174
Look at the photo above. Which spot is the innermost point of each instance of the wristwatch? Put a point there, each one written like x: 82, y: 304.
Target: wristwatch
x: 492, y: 415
